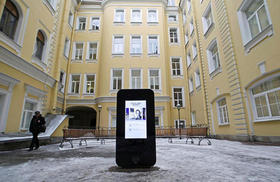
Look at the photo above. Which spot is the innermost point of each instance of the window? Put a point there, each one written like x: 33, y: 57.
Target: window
x: 194, y: 50
x: 154, y: 79
x: 136, y: 16
x: 197, y: 78
x: 62, y: 81
x: 189, y: 60
x: 66, y: 47
x: 52, y: 3
x: 266, y: 99
x: 182, y: 124
x: 173, y: 35
x: 207, y: 19
x: 81, y: 24
x: 117, y: 77
x: 213, y: 57
x: 118, y: 44
x: 74, y: 84
x: 92, y: 51
x: 95, y: 23
x: 189, y: 5
x: 70, y: 19
x: 78, y: 51
x: 193, y: 119
x: 172, y: 18
x: 114, y: 121
x: 191, y: 26
x: 29, y: 108
x: 157, y: 121
x: 255, y: 23
x: 222, y: 111
x: 119, y: 16
x: 178, y: 97
x: 136, y: 44
x: 39, y: 46
x: 191, y: 85
x: 152, y: 16
x: 9, y: 19
x: 171, y: 3
x: 184, y: 17
x: 89, y: 84
x: 186, y: 38
x: 153, y: 45
x: 135, y: 79
x: 176, y: 67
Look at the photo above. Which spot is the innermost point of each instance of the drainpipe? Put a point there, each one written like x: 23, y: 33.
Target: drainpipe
x: 70, y: 57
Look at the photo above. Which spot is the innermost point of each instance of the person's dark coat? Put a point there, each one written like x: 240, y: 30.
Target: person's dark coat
x: 35, y: 124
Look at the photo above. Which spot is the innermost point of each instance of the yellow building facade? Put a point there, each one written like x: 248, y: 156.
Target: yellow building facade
x: 217, y: 59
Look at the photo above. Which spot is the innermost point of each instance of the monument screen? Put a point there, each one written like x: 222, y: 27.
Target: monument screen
x: 135, y: 119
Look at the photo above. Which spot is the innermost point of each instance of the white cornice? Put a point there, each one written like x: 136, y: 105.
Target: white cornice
x: 8, y: 81
x: 105, y: 2
x: 21, y: 65
x: 172, y: 9
x: 109, y: 99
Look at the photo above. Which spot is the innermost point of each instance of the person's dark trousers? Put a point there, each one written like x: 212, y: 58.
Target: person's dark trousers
x: 35, y: 141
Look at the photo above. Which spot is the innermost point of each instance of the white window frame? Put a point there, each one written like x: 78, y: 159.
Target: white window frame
x: 248, y: 41
x: 149, y: 81
x: 74, y: 52
x: 71, y: 19
x: 189, y: 59
x: 41, y: 62
x: 194, y: 50
x: 191, y: 27
x: 186, y: 38
x: 181, y: 67
x: 115, y: 18
x: 23, y: 121
x: 171, y: 3
x: 99, y: 27
x: 209, y: 51
x: 193, y: 116
x: 78, y: 23
x: 189, y: 6
x: 222, y: 121
x: 156, y: 20
x: 113, y: 41
x: 63, y: 82
x: 131, y: 78
x: 178, y: 35
x: 197, y: 78
x: 191, y: 85
x: 172, y: 21
x: 264, y: 93
x: 85, y: 84
x: 183, y: 97
x: 207, y: 13
x: 70, y: 85
x: 132, y: 20
x: 112, y: 80
x: 178, y: 124
x: 66, y: 47
x: 141, y: 47
x: 158, y: 45
x: 88, y: 55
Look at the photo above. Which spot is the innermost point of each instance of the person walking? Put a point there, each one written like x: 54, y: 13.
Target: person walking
x: 37, y: 121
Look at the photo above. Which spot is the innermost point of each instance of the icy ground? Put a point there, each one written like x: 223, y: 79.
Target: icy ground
x: 221, y: 161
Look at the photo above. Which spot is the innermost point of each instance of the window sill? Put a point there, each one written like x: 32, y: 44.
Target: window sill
x: 198, y: 88
x: 91, y: 60
x: 76, y: 61
x: 153, y: 55
x: 268, y: 32
x: 79, y: 30
x: 114, y: 91
x: 157, y: 91
x: 209, y: 29
x: 49, y: 6
x: 70, y: 26
x: 66, y: 57
x: 136, y: 22
x: 192, y: 33
x: 152, y: 23
x: 119, y: 22
x: 174, y: 44
x: 223, y: 124
x: 38, y: 62
x: 215, y: 73
x: 74, y: 94
x: 117, y: 54
x: 191, y: 92
x: 186, y: 43
x: 194, y: 58
x: 87, y: 94
x: 135, y: 54
x: 10, y: 42
x: 266, y: 119
x: 97, y: 31
x: 177, y: 76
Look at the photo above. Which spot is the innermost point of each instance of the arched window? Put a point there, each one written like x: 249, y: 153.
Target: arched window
x: 9, y: 19
x: 40, y: 43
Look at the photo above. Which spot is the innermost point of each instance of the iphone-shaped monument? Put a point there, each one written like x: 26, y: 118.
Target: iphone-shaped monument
x: 135, y: 137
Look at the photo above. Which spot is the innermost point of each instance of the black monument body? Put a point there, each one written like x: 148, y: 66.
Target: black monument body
x: 135, y: 137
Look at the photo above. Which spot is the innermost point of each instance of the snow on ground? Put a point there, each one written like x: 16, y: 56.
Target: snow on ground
x: 177, y: 161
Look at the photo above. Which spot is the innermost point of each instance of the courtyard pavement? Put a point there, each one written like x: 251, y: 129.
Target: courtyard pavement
x: 177, y: 161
